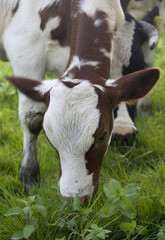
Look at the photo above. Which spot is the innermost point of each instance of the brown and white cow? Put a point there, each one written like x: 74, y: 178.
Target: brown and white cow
x: 73, y: 37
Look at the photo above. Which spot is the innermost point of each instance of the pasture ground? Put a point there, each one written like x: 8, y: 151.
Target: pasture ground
x: 130, y: 206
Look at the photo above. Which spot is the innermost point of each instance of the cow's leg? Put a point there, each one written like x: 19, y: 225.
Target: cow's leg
x: 124, y: 126
x: 31, y: 116
x: 27, y: 54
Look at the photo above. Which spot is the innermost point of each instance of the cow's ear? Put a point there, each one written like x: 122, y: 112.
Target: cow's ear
x: 131, y: 87
x: 33, y: 89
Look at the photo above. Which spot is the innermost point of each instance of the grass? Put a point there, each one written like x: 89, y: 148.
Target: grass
x: 130, y: 207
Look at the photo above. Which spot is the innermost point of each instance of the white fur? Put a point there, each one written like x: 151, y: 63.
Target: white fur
x: 153, y: 40
x: 122, y: 48
x: 6, y: 7
x: 77, y: 62
x: 98, y: 22
x: 111, y: 83
x: 51, y: 24
x: 55, y: 57
x: 99, y: 87
x: 105, y: 52
x: 27, y: 41
x: 70, y: 122
x: 45, y: 86
x: 119, y: 14
x: 75, y: 178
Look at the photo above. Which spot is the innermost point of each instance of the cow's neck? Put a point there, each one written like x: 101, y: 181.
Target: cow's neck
x: 90, y: 46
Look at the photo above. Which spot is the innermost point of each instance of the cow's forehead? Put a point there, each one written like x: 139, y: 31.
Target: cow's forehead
x: 72, y: 117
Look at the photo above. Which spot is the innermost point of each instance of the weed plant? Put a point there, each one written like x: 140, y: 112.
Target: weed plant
x: 130, y: 203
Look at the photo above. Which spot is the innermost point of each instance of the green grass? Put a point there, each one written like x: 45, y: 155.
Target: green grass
x: 47, y: 215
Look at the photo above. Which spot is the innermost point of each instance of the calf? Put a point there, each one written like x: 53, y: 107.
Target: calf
x: 74, y: 38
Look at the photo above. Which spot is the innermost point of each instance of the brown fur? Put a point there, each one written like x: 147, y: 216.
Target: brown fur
x: 63, y: 32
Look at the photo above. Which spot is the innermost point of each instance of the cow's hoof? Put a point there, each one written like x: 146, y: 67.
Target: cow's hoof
x: 127, y: 139
x: 124, y: 132
x: 30, y: 176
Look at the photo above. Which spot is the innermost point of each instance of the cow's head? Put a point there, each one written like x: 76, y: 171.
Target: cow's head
x: 79, y: 121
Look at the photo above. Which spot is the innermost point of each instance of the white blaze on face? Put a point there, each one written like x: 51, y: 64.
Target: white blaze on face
x: 70, y: 122
x: 79, y: 63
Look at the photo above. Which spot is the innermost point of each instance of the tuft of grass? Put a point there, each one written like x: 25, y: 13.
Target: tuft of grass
x: 130, y: 203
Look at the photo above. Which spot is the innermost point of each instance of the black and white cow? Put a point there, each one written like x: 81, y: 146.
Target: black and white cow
x: 138, y: 9
x: 128, y: 57
x: 73, y: 38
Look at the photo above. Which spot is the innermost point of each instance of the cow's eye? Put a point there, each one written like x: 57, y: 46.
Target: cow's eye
x: 103, y: 137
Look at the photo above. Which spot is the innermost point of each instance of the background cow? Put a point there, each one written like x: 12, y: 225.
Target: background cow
x: 137, y: 53
x: 128, y: 57
x: 73, y: 38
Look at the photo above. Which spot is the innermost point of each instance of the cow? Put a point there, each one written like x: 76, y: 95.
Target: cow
x: 138, y: 9
x: 74, y: 39
x: 128, y: 57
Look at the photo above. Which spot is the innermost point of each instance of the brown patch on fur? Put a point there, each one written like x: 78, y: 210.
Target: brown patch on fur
x: 95, y: 156
x: 63, y: 11
x: 138, y: 84
x: 27, y: 86
x: 87, y: 40
x: 47, y: 98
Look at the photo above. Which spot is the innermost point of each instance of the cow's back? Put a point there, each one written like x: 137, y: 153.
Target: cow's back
x: 33, y: 35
